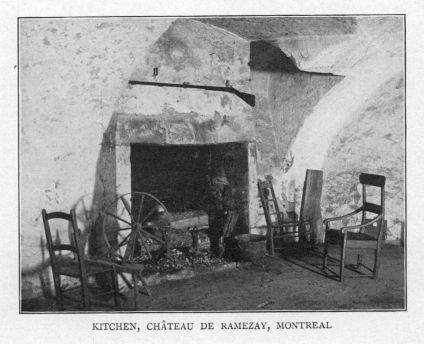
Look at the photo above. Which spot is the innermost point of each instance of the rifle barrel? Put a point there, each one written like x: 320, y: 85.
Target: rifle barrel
x: 248, y: 98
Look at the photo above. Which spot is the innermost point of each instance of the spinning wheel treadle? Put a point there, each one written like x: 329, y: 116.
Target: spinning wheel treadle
x: 135, y: 227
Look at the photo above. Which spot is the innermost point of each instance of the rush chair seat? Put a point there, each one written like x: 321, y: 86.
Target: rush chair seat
x: 367, y: 235
x: 69, y: 260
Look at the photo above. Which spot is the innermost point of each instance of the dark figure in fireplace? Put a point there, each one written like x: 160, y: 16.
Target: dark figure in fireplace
x: 221, y: 204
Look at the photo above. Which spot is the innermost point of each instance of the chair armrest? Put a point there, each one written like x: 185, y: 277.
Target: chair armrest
x: 349, y: 228
x: 331, y: 219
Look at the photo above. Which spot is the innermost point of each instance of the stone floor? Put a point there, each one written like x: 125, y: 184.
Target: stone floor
x: 273, y: 283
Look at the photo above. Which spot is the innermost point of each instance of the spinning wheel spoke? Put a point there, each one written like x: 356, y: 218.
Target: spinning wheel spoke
x: 118, y: 218
x: 141, y: 242
x: 127, y: 207
x: 124, y: 229
x: 117, y: 255
x: 129, y: 250
x: 140, y: 237
x: 140, y: 208
x: 116, y: 250
x: 150, y: 213
x: 152, y: 236
x: 124, y: 241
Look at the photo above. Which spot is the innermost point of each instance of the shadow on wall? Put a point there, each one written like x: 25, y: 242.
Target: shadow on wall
x: 88, y: 210
x: 41, y: 271
x: 267, y: 56
x: 105, y: 187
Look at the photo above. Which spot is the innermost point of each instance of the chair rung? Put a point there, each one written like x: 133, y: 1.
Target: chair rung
x: 357, y: 276
x: 68, y: 297
x: 286, y: 236
x: 288, y: 245
x: 110, y: 292
x: 78, y: 305
x: 361, y: 244
x: 291, y: 233
x: 72, y: 269
x: 288, y: 224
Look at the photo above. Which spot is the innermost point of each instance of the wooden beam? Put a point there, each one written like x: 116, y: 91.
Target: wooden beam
x: 311, y: 202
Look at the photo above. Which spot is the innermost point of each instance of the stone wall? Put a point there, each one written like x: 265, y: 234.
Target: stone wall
x: 72, y: 76
x: 374, y: 142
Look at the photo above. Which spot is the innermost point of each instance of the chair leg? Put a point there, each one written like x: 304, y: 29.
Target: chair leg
x: 271, y: 241
x: 58, y: 290
x: 135, y: 289
x: 359, y: 261
x: 342, y: 260
x: 85, y: 294
x: 144, y: 283
x: 325, y: 256
x: 376, y: 262
x: 115, y: 288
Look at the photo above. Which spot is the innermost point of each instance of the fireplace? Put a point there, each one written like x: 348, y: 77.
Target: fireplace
x: 179, y: 175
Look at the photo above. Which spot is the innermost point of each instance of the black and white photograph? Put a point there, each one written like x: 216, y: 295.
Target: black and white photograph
x: 219, y: 173
x: 207, y: 163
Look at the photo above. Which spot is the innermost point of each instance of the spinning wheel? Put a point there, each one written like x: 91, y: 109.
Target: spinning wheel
x: 135, y: 227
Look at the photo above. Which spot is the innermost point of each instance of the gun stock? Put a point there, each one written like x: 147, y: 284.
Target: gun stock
x: 247, y: 97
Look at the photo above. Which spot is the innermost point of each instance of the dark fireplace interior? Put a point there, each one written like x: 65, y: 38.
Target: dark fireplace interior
x: 179, y: 175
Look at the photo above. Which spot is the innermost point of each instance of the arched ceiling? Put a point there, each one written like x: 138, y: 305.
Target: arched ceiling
x: 273, y: 28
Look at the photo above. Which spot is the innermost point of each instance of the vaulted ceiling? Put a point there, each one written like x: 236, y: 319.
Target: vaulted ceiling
x: 272, y: 28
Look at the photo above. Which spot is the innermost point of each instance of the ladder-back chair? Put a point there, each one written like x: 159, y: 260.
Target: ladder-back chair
x: 283, y: 232
x: 67, y: 259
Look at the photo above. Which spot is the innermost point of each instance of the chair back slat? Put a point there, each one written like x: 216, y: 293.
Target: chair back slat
x: 64, y: 247
x: 58, y: 215
x: 372, y: 179
x: 269, y: 201
x: 367, y: 207
x: 373, y: 208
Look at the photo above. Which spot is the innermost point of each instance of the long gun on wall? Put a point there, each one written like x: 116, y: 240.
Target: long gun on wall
x: 247, y: 97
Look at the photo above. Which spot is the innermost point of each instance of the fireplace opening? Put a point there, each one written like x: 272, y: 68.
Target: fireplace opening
x: 180, y: 175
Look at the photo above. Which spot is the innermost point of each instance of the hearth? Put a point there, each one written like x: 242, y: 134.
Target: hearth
x: 179, y: 175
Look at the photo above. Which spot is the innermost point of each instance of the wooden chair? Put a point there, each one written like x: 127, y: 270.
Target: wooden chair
x: 69, y: 260
x: 367, y: 235
x: 283, y: 232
